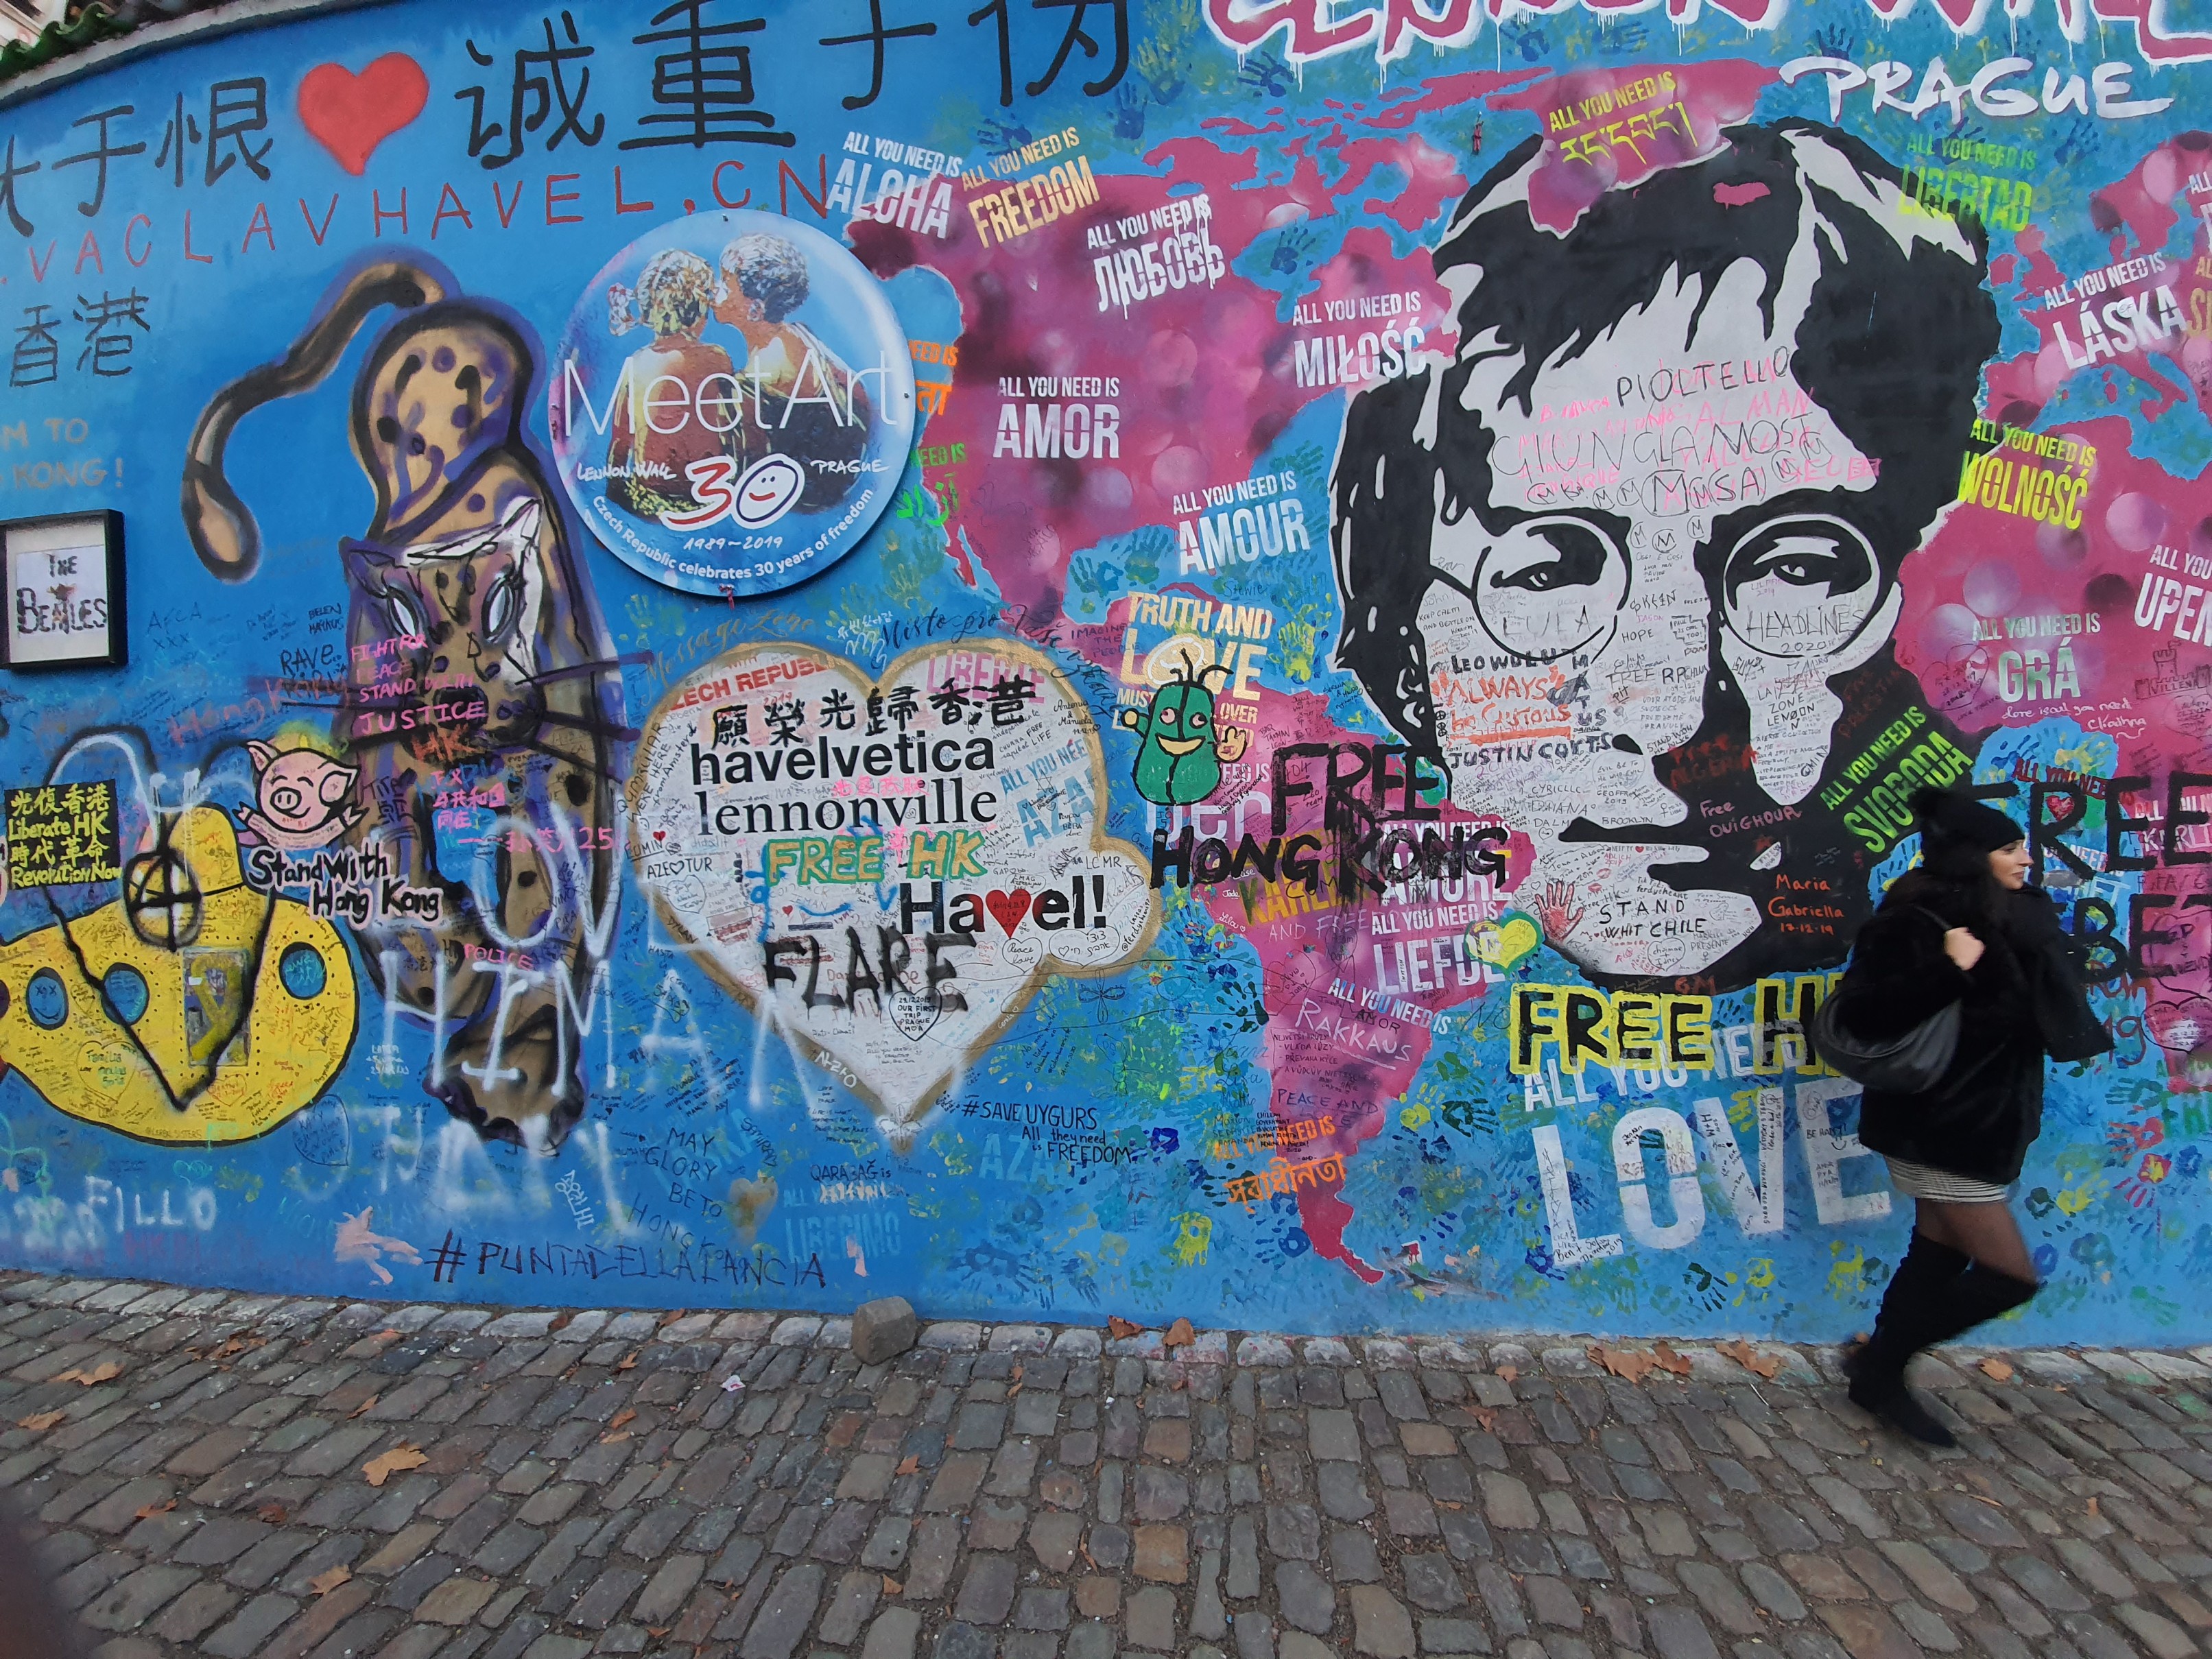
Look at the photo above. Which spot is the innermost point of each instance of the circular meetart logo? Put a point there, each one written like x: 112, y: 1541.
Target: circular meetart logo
x: 733, y: 403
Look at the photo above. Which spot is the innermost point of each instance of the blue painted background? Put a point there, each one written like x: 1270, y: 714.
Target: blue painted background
x: 1080, y: 1161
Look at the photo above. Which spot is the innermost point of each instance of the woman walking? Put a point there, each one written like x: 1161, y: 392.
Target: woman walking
x: 1964, y: 928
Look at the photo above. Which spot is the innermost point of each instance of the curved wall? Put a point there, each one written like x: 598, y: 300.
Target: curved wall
x: 1214, y: 658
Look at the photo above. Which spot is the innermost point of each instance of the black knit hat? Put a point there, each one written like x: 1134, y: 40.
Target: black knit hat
x: 1946, y: 815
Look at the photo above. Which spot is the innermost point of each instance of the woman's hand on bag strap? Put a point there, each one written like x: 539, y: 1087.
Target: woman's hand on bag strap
x: 1962, y: 947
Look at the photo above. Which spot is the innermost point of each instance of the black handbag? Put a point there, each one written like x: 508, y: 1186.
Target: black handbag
x: 1910, y: 1063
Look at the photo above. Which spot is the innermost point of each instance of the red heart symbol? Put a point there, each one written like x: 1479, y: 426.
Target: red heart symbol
x: 1007, y: 909
x: 660, y: 835
x: 350, y: 115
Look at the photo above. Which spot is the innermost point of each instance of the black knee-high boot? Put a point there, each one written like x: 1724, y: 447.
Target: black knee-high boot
x: 1948, y: 1307
x: 1913, y: 1310
x: 1980, y: 1293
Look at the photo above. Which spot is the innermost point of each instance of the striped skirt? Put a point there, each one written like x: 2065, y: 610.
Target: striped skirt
x: 1923, y: 1181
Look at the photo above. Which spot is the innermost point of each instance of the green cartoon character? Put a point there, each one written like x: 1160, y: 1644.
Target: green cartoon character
x: 1179, y: 759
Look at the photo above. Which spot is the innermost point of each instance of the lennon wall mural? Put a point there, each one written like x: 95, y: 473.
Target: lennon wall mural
x: 1239, y: 659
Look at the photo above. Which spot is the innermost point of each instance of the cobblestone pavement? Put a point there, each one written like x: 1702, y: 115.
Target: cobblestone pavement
x: 194, y: 1466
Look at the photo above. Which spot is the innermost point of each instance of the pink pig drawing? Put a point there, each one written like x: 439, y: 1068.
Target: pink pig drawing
x: 303, y: 796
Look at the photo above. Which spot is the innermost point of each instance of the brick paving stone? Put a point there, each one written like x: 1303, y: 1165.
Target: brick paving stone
x: 2092, y: 1636
x: 1333, y: 1435
x: 1501, y: 1598
x: 2162, y: 1635
x: 1149, y: 1619
x: 1677, y: 1632
x: 456, y: 1602
x: 194, y: 1612
x: 1381, y: 1626
x: 601, y: 1604
x: 1162, y: 1554
x: 987, y: 1591
x: 1822, y: 1579
x: 253, y: 1623
x: 1934, y: 1580
x: 1868, y: 1632
x: 784, y: 1617
x: 1506, y: 1502
x: 1054, y: 1538
x: 1304, y: 1596
x: 1551, y: 1602
x: 1252, y: 1498
x: 854, y: 1600
x: 1723, y: 1603
x: 962, y: 1641
x: 1925, y: 1627
x: 2044, y: 1585
x: 893, y: 1635
x: 1771, y: 1591
x: 1097, y: 1596
x: 1344, y: 1495
x: 135, y: 1598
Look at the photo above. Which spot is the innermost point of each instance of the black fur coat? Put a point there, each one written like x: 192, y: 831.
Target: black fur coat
x: 2021, y: 1002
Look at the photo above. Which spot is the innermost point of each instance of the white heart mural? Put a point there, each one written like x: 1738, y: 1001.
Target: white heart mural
x: 886, y: 868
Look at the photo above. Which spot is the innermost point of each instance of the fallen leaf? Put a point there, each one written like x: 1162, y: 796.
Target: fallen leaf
x: 892, y: 1587
x: 274, y: 1514
x: 910, y: 1466
x: 1119, y: 1327
x: 656, y: 1632
x: 1446, y: 1503
x: 627, y: 1363
x: 560, y: 1323
x: 106, y: 1371
x: 614, y: 1439
x: 39, y: 1422
x: 323, y: 1582
x: 1996, y: 1371
x: 2092, y: 1506
x: 1766, y: 1366
x: 1667, y: 1359
x: 1484, y: 1416
x: 382, y: 1466
x: 364, y: 1405
x: 1507, y: 1373
x: 622, y: 1416
x: 670, y: 1318
x: 148, y: 1511
x: 1630, y: 1364
x: 1179, y: 1335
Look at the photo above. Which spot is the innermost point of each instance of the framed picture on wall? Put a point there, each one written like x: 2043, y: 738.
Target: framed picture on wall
x: 64, y: 594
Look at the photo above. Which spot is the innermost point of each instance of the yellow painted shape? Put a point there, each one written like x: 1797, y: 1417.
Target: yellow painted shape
x: 278, y: 1052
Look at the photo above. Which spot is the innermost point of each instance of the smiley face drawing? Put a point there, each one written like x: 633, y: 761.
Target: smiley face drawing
x: 769, y: 489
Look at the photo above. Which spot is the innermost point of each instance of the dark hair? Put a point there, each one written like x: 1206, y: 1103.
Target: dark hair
x: 1897, y: 327
x: 1957, y: 864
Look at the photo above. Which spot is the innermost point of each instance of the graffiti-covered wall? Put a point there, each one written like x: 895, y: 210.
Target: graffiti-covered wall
x: 1240, y: 659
